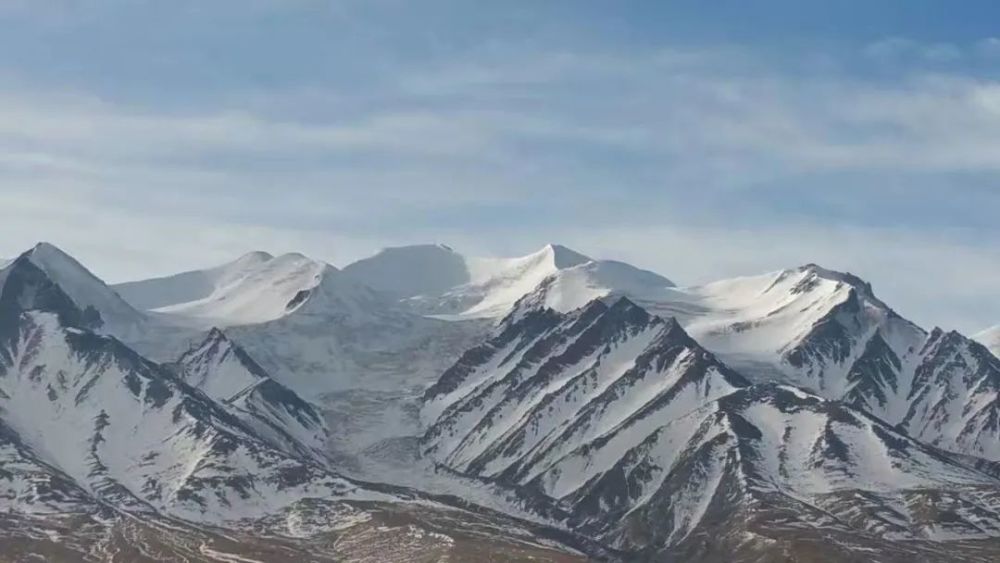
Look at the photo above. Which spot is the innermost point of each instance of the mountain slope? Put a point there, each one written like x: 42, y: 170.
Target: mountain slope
x: 790, y: 416
x: 810, y: 324
x: 313, y: 328
x: 822, y: 330
x: 991, y: 339
x: 189, y: 286
x: 30, y: 485
x: 954, y: 399
x: 650, y: 443
x: 828, y: 333
x: 225, y: 372
x: 104, y: 454
x: 254, y: 289
x: 548, y: 382
x: 344, y: 335
x: 125, y: 430
x: 131, y: 434
x: 767, y: 465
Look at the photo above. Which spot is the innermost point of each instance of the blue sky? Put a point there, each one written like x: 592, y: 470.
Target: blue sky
x: 147, y: 137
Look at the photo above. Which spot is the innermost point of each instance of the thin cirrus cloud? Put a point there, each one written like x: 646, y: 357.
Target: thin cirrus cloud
x: 699, y: 161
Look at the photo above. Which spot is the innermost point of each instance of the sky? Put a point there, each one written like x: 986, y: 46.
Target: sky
x: 149, y: 137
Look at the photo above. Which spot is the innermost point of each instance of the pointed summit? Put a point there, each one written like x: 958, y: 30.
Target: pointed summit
x: 847, y: 278
x: 88, y: 293
x: 216, y: 335
x: 563, y: 257
x: 224, y: 371
x: 44, y: 246
x: 219, y: 367
x: 25, y: 287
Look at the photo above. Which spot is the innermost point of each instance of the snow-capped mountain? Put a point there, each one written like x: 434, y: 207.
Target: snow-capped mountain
x: 312, y: 327
x: 814, y: 328
x: 189, y: 286
x: 97, y: 441
x: 255, y: 288
x: 105, y: 310
x: 576, y: 402
x: 828, y: 333
x: 437, y: 280
x: 650, y: 441
x: 954, y: 397
x: 804, y: 322
x: 768, y: 465
x: 410, y: 271
x: 344, y: 335
x: 548, y: 380
x: 225, y: 372
x: 124, y: 429
x: 810, y: 324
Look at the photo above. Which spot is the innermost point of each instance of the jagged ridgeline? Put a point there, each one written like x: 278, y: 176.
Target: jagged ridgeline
x: 422, y: 404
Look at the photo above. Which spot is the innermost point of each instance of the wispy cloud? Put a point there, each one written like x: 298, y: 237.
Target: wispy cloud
x: 897, y: 49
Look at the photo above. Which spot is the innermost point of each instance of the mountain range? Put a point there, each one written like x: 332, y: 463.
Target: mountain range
x: 421, y: 404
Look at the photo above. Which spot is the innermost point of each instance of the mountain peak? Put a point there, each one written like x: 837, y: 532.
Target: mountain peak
x: 46, y: 252
x: 564, y: 257
x: 296, y: 258
x: 80, y: 285
x: 844, y: 277
x: 253, y: 289
x: 408, y: 271
x: 938, y: 333
x: 255, y: 257
x: 216, y: 335
x: 625, y: 308
x: 24, y: 287
x: 202, y: 366
x: 43, y: 246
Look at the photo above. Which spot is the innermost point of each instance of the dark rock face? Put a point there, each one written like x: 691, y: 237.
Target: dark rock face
x: 831, y: 338
x: 299, y: 299
x: 533, y: 325
x: 953, y: 402
x: 27, y: 288
x: 876, y: 371
x: 552, y: 391
x: 653, y: 462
